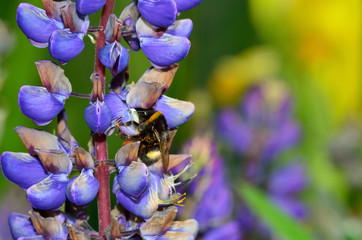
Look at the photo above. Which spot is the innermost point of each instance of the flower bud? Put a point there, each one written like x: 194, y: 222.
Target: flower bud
x: 22, y: 169
x: 175, y: 111
x: 39, y: 105
x: 65, y: 45
x: 114, y: 56
x: 166, y: 50
x: 144, y: 94
x: 48, y: 194
x: 83, y: 189
x: 35, y: 24
x: 87, y: 7
x: 158, y: 13
x: 134, y: 179
x: 98, y: 116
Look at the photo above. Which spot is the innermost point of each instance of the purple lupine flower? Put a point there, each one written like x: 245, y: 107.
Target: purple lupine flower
x: 266, y: 123
x: 258, y: 133
x: 142, y: 189
x: 163, y: 13
x: 42, y: 104
x: 163, y: 44
x: 37, y: 227
x: 154, y: 82
x: 98, y: 116
x: 61, y: 26
x: 46, y: 169
x: 211, y: 201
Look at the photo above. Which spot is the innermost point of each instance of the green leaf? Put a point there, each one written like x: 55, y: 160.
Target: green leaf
x: 279, y: 222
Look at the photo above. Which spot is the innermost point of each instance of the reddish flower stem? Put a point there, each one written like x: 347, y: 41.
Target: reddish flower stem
x: 102, y: 170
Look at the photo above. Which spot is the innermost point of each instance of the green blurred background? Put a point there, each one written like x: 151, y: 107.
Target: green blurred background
x: 313, y: 47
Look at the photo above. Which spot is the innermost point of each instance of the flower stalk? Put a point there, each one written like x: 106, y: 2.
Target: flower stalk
x: 102, y: 170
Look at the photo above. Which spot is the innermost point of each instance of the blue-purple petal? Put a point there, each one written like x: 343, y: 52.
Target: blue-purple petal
x: 287, y: 180
x: 39, y: 105
x: 182, y: 28
x: 87, y: 7
x: 234, y: 130
x: 35, y: 24
x: 143, y: 207
x: 134, y: 179
x: 184, y: 5
x: 65, y: 45
x: 228, y: 231
x: 21, y: 226
x: 175, y: 111
x: 117, y: 106
x: 98, y: 116
x: 166, y: 50
x: 158, y: 13
x: 83, y: 189
x: 22, y: 169
x: 291, y: 206
x: 48, y: 194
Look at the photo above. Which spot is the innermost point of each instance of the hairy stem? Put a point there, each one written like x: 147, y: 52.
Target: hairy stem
x: 102, y: 170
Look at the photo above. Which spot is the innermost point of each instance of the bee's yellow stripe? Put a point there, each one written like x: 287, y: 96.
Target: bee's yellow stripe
x: 154, y: 117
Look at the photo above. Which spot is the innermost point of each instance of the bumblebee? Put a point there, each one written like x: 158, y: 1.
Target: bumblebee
x: 150, y: 128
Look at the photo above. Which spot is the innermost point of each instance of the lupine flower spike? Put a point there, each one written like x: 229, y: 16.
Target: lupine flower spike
x: 60, y: 177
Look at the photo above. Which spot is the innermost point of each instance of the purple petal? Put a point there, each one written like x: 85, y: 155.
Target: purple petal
x: 21, y: 226
x: 217, y: 204
x: 48, y: 194
x: 98, y: 116
x: 182, y: 28
x: 134, y: 179
x: 83, y: 189
x: 175, y: 111
x: 291, y: 206
x: 35, y: 24
x: 39, y: 105
x: 166, y: 50
x: 184, y: 5
x: 143, y: 207
x: 87, y: 7
x: 65, y: 45
x: 288, y: 180
x: 118, y: 107
x: 228, y: 231
x: 22, y: 169
x: 234, y: 130
x: 282, y: 137
x: 158, y: 13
